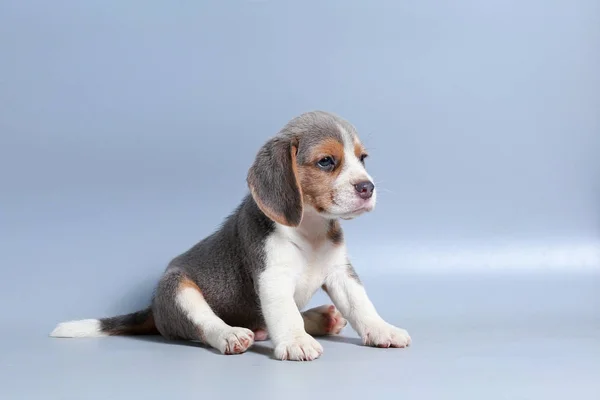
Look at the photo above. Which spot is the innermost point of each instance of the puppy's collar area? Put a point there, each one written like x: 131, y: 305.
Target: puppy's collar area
x: 312, y: 224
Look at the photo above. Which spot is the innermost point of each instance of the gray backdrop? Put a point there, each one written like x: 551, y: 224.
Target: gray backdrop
x: 126, y: 131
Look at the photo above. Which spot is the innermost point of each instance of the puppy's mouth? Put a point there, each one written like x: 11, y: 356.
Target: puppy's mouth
x: 363, y: 207
x: 355, y: 213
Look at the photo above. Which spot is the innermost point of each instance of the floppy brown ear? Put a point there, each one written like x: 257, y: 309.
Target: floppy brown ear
x: 273, y: 181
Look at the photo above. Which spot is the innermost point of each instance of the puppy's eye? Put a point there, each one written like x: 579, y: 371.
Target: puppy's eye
x: 326, y: 163
x: 362, y: 158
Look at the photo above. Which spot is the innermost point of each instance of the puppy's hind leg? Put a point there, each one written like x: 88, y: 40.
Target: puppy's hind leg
x: 323, y: 320
x: 181, y: 312
x: 319, y: 321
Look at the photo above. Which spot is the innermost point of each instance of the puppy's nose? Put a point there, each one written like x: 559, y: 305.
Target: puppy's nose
x: 365, y: 189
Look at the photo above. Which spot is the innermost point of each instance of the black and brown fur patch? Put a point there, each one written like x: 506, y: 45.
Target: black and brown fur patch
x: 273, y: 182
x: 137, y: 323
x: 187, y: 283
x: 334, y: 232
x: 317, y: 185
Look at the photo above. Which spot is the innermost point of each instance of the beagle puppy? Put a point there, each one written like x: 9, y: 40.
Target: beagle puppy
x: 249, y: 279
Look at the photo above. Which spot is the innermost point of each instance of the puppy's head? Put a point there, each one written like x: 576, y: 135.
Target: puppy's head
x: 316, y: 162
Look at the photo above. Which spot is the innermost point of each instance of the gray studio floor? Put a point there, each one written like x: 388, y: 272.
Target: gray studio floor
x: 485, y: 337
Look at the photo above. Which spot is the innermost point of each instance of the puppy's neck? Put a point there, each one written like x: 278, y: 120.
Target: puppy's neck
x: 313, y: 226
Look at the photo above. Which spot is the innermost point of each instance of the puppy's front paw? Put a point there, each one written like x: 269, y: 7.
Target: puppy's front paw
x: 235, y: 340
x: 299, y: 348
x: 382, y: 334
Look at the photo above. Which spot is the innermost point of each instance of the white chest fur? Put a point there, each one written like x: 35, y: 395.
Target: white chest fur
x: 302, y: 261
x: 318, y: 263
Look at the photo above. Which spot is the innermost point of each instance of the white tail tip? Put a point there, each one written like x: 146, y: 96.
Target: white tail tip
x: 82, y: 328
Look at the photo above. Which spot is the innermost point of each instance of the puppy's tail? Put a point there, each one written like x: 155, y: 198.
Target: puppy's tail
x: 137, y: 323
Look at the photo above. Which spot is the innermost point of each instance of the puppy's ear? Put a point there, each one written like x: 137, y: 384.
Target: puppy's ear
x: 273, y: 181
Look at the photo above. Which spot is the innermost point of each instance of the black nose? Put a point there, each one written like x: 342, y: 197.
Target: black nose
x: 365, y: 189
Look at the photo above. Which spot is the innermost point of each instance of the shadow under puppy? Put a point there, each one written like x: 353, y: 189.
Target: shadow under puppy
x: 249, y: 280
